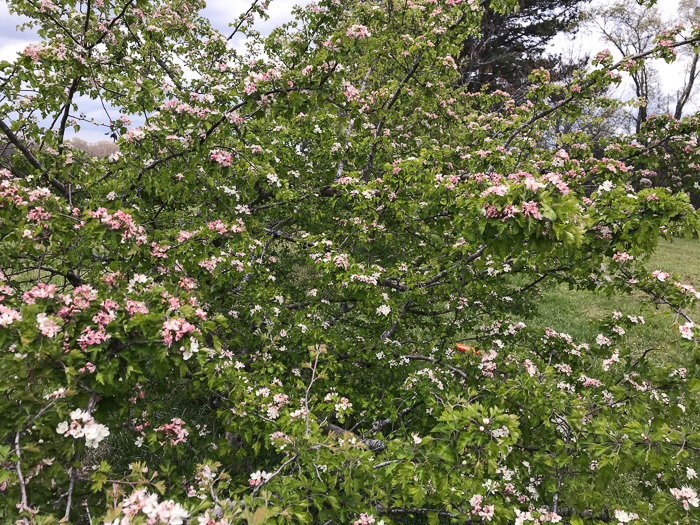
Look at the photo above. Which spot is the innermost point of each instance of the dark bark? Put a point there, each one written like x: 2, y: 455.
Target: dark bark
x: 687, y: 89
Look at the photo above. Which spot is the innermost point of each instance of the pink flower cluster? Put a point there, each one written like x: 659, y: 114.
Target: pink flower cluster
x: 488, y: 364
x: 221, y: 157
x: 484, y: 511
x: 175, y: 431
x: 358, y: 31
x: 40, y: 291
x: 661, y: 276
x: 158, y: 250
x: 622, y: 257
x: 222, y: 228
x: 110, y: 279
x: 615, y: 358
x: 687, y: 330
x: 530, y: 209
x: 80, y: 300
x: 187, y: 283
x: 175, y: 328
x: 589, y: 381
x: 603, y: 55
x: 47, y: 325
x: 8, y: 316
x: 9, y: 191
x: 258, y: 477
x: 89, y: 336
x: 89, y: 367
x: 5, y: 291
x: 687, y: 496
x: 39, y: 214
x: 33, y: 51
x: 530, y: 367
x: 500, y: 190
x: 341, y: 261
x: 120, y: 220
x: 351, y: 92
x: 136, y: 307
x: 687, y: 289
x: 166, y: 512
x: 210, y: 264
x: 218, y: 226
x: 278, y: 401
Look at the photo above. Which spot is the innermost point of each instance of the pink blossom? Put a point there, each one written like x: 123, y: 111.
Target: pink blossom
x: 257, y: 478
x: 8, y: 316
x: 358, y: 31
x: 622, y: 257
x: 687, y: 330
x: 661, y: 276
x: 158, y: 250
x: 218, y: 226
x: 83, y: 296
x: 175, y: 431
x: 530, y: 209
x: 687, y: 496
x: 136, y: 307
x: 89, y: 337
x: 364, y: 519
x: 175, y: 328
x: 530, y: 367
x: 40, y: 291
x: 33, y: 51
x: 220, y: 156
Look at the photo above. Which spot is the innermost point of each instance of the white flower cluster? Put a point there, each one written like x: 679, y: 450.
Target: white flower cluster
x: 501, y: 432
x: 687, y: 496
x: 687, y: 330
x: 384, y: 310
x: 167, y: 512
x: 258, y: 478
x: 194, y: 348
x: 342, y: 404
x: 83, y: 425
x: 624, y: 516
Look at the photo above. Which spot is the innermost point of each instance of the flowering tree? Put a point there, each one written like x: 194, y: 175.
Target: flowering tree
x: 295, y: 241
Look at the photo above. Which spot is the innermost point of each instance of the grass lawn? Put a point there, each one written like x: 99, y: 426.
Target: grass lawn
x: 574, y: 311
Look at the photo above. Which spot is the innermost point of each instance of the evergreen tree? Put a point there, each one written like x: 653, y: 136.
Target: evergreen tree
x: 510, y: 45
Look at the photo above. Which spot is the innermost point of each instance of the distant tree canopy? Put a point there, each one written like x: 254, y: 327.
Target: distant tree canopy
x: 510, y: 45
x: 101, y: 149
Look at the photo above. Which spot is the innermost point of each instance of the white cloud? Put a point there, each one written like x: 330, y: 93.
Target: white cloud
x: 9, y: 50
x: 12, y: 41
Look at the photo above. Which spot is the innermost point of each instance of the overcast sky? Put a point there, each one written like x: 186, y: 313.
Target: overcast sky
x: 222, y: 12
x: 588, y: 41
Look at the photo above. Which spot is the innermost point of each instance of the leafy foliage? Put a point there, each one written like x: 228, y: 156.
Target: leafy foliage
x: 264, y: 289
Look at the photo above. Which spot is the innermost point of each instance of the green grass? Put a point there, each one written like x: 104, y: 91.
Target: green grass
x: 575, y: 311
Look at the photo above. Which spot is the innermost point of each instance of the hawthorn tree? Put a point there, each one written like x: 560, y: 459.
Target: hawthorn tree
x: 251, y: 312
